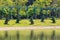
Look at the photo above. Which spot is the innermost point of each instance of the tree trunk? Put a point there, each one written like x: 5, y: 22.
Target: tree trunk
x: 53, y: 20
x: 18, y: 18
x: 42, y: 18
x: 31, y: 20
x: 17, y: 9
x: 7, y: 19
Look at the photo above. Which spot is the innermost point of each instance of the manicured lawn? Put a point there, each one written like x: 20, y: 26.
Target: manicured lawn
x: 26, y: 22
x: 26, y: 34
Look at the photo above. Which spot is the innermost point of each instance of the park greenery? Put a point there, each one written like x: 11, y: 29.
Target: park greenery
x: 26, y: 23
x: 29, y: 9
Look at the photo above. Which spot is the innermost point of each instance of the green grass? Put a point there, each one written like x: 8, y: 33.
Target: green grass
x: 25, y: 34
x: 25, y: 23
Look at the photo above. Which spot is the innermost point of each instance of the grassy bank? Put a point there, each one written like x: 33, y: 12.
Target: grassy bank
x: 25, y: 23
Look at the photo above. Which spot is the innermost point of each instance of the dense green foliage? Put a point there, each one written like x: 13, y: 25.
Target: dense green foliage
x: 12, y: 6
x: 17, y: 9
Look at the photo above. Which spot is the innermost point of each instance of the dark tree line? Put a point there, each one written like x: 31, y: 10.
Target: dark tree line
x: 9, y: 13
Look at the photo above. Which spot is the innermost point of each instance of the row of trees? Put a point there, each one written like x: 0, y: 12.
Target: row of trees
x: 10, y: 9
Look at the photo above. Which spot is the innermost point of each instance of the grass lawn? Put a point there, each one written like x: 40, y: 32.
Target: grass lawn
x: 26, y: 23
x: 25, y: 34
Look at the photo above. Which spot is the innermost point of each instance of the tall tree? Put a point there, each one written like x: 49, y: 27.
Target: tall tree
x: 18, y: 4
x: 6, y: 7
x: 31, y: 13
